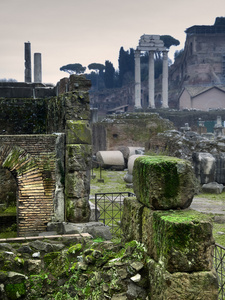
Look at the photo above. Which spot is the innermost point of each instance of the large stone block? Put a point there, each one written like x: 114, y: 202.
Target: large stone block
x: 78, y: 82
x: 77, y: 106
x: 182, y: 286
x: 163, y: 182
x: 77, y: 209
x: 78, y: 157
x: 77, y: 184
x: 78, y: 132
x: 132, y: 219
x: 181, y: 240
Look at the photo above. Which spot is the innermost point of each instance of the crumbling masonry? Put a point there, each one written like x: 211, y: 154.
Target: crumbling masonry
x: 46, y: 144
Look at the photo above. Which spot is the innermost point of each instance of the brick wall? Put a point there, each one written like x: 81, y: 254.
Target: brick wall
x: 32, y: 159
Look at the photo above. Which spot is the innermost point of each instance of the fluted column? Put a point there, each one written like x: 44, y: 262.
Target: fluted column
x: 137, y: 79
x: 151, y: 80
x: 165, y: 80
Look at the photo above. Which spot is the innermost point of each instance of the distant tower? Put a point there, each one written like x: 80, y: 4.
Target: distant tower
x: 27, y: 54
x: 37, y: 68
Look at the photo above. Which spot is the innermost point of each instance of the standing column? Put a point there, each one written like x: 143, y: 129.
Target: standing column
x: 37, y: 68
x: 137, y: 79
x: 27, y: 56
x: 151, y: 80
x: 165, y: 80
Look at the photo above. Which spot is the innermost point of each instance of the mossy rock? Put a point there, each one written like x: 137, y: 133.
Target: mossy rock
x: 15, y: 290
x: 180, y: 285
x: 163, y: 182
x: 181, y: 240
x: 78, y: 132
x: 75, y: 249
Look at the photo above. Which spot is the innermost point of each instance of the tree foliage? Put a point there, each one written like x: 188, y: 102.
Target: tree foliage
x: 109, y: 75
x: 126, y: 64
x: 73, y: 68
x: 96, y: 67
x: 169, y: 41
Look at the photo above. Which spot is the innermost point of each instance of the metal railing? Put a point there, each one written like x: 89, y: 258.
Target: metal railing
x: 219, y: 264
x: 109, y: 209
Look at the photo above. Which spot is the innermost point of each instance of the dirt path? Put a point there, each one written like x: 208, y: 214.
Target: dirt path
x: 208, y: 206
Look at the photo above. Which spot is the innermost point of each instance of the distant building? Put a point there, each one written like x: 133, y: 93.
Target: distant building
x: 202, y: 98
x: 202, y: 64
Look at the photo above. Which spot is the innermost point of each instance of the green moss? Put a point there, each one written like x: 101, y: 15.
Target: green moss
x: 15, y: 290
x: 49, y: 257
x: 164, y: 168
x: 19, y: 261
x: 75, y: 249
x: 180, y: 230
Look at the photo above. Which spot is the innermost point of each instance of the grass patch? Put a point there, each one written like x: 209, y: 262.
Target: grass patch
x: 113, y: 182
x: 219, y: 233
x: 217, y: 197
x: 111, y: 209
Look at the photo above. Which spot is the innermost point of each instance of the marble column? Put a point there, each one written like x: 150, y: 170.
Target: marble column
x: 151, y: 80
x: 37, y: 68
x: 137, y: 79
x: 27, y: 57
x: 165, y: 80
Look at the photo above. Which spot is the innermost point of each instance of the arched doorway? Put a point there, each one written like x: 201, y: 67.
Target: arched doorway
x: 34, y: 189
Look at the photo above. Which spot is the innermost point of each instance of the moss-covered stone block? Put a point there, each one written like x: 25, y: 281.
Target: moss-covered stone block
x: 77, y: 210
x: 78, y: 132
x: 77, y: 106
x: 163, y: 182
x: 132, y: 219
x: 15, y: 290
x: 180, y: 285
x: 78, y: 82
x: 181, y: 240
x: 78, y: 157
x: 77, y: 184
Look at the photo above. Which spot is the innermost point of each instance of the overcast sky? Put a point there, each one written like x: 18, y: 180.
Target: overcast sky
x: 88, y: 31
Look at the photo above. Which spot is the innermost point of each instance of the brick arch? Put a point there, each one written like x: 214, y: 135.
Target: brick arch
x: 33, y: 208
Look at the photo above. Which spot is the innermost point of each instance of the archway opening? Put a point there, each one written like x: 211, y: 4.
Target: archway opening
x: 8, y: 204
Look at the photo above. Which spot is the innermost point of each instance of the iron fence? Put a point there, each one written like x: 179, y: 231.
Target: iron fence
x: 109, y: 209
x: 219, y: 264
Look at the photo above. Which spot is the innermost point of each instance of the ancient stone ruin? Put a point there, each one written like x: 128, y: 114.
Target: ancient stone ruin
x: 179, y: 241
x: 46, y: 144
x: 166, y: 252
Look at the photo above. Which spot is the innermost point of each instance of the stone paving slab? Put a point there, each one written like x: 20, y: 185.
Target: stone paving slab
x: 21, y: 239
x: 208, y: 206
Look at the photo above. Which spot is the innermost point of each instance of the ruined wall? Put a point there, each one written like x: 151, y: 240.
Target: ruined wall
x: 129, y: 129
x: 46, y: 144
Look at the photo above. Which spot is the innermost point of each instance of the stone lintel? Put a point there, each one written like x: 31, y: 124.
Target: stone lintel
x: 151, y: 48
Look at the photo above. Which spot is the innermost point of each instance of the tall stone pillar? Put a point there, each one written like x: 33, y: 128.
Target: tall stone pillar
x: 137, y: 79
x: 165, y: 80
x: 27, y: 56
x: 151, y: 80
x: 37, y: 68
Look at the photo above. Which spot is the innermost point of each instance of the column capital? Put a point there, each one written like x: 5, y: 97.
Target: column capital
x: 137, y: 53
x: 165, y: 54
